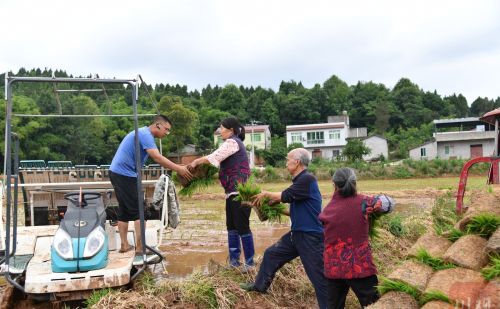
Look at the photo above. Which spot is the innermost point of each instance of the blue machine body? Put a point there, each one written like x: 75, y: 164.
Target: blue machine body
x: 82, y: 217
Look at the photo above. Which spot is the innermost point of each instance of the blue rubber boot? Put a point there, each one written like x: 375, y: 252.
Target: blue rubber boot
x: 248, y: 248
x: 233, y: 241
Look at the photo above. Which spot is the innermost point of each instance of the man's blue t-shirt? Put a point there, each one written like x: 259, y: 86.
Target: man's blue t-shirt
x: 305, y: 203
x: 124, y: 160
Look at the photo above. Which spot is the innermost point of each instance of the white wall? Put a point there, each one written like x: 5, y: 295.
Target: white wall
x: 430, y: 148
x: 378, y: 146
x: 461, y: 149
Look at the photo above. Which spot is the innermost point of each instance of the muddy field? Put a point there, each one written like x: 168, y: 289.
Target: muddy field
x: 201, y: 237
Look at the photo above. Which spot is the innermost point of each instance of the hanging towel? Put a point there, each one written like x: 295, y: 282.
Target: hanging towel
x: 172, y: 202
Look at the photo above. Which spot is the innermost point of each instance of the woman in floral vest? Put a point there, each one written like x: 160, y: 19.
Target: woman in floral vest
x: 232, y: 160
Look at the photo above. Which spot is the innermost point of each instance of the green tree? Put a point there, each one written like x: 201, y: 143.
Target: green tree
x: 407, y: 98
x: 480, y: 106
x: 459, y: 106
x: 83, y: 137
x: 337, y: 95
x: 355, y: 149
x: 26, y: 128
x: 366, y: 97
x: 403, y: 140
x: 167, y: 102
x: 232, y: 100
x: 382, y: 116
x: 270, y: 115
x: 256, y: 101
x: 276, y: 154
x: 184, y: 121
x: 210, y: 119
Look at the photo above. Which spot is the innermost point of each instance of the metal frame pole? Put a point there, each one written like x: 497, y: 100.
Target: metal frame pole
x: 8, y: 174
x: 138, y: 168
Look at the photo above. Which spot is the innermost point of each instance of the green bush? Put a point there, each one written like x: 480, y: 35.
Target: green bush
x: 402, y: 172
x: 270, y: 174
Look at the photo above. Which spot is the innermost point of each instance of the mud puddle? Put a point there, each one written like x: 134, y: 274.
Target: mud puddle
x: 184, y: 258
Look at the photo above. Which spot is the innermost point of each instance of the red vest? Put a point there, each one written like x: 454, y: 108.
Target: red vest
x: 347, y: 249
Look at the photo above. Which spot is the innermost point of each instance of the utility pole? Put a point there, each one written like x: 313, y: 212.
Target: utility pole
x: 252, y: 155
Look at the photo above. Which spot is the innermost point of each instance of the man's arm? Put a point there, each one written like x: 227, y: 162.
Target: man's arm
x: 166, y: 163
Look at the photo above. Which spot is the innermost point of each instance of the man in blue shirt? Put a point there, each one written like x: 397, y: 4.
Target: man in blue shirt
x: 123, y: 175
x: 305, y: 240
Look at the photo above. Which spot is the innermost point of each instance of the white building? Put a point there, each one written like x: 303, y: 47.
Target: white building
x: 322, y: 139
x: 425, y: 151
x: 378, y: 147
x: 462, y: 138
x: 258, y: 135
x: 326, y: 140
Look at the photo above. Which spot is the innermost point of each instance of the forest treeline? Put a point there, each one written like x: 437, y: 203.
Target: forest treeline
x: 402, y: 114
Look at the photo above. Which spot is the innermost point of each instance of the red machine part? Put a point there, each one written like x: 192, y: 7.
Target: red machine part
x: 492, y: 177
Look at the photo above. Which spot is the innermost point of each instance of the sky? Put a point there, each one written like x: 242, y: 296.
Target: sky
x: 442, y: 45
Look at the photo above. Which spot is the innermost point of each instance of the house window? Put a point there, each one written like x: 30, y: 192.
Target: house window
x: 256, y: 137
x: 448, y: 150
x: 423, y: 152
x: 317, y: 137
x: 334, y: 134
x: 296, y: 137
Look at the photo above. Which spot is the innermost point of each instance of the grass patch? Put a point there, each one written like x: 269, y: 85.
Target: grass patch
x: 434, y: 295
x: 388, y: 285
x: 200, y: 291
x: 436, y: 263
x: 146, y: 281
x: 483, y: 225
x: 493, y: 269
x: 444, y: 216
x: 454, y: 234
x: 96, y: 296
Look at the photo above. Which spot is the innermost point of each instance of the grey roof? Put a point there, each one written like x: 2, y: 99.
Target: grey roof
x: 456, y: 120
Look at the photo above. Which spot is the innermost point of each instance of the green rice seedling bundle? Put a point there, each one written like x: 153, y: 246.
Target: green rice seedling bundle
x: 383, y: 205
x: 203, y: 176
x: 247, y: 190
x: 493, y: 269
x: 374, y: 220
x: 483, y: 225
x: 387, y: 285
x: 270, y: 211
x: 434, y: 295
x: 266, y: 210
x: 436, y: 263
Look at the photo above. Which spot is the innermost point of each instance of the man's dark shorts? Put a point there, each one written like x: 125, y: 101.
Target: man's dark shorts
x: 126, y: 194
